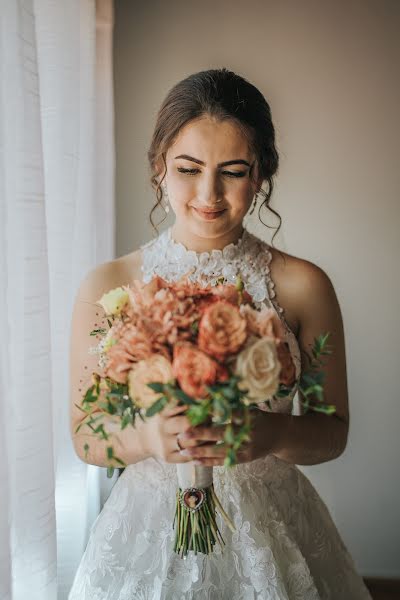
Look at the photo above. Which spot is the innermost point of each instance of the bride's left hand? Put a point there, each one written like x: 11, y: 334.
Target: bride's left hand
x: 199, y: 442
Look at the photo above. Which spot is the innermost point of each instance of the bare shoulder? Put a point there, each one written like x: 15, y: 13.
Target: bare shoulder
x: 114, y: 273
x: 309, y: 298
x: 297, y: 282
x: 87, y: 317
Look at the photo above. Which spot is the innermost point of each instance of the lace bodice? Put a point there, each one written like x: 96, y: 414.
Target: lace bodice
x: 249, y: 257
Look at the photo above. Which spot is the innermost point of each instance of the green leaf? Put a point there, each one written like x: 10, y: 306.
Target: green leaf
x: 328, y: 409
x: 100, y: 331
x: 86, y: 449
x: 126, y: 420
x: 90, y: 396
x: 110, y: 472
x: 229, y: 392
x: 141, y: 416
x: 156, y: 386
x: 110, y: 452
x: 157, y: 406
x: 307, y: 379
x: 111, y: 408
x: 222, y: 409
x: 119, y: 461
x: 231, y: 456
x: 319, y: 377
x: 198, y: 413
x: 100, y: 429
x: 228, y: 435
x: 183, y: 397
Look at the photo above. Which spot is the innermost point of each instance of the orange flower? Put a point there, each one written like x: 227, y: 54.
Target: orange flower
x: 131, y: 345
x: 205, y: 301
x: 222, y: 330
x: 155, y: 368
x: 288, y: 370
x: 194, y: 370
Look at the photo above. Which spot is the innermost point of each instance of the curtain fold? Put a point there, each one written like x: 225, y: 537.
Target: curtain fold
x: 56, y: 223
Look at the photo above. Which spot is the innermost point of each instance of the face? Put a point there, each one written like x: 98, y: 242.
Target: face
x: 210, y: 199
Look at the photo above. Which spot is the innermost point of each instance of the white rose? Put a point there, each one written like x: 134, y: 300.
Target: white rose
x: 259, y: 368
x: 114, y: 301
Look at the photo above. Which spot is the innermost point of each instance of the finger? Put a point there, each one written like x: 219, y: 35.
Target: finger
x: 198, y: 433
x: 175, y: 454
x: 178, y: 424
x: 176, y: 457
x: 212, y: 461
x: 205, y: 451
x: 171, y: 411
x: 189, y: 443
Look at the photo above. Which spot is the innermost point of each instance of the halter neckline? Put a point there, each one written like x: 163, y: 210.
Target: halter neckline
x: 206, y: 253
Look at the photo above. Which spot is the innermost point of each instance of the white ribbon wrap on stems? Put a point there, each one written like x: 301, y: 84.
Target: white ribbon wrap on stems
x: 190, y: 475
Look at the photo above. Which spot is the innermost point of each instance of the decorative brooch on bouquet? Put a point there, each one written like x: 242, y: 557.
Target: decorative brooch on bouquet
x: 205, y: 347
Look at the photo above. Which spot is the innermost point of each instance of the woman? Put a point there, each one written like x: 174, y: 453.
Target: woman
x: 212, y: 149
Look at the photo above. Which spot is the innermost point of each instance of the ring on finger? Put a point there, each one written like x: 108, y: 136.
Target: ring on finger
x: 178, y: 446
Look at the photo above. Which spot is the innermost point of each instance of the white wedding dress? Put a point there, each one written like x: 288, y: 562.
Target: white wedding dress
x: 286, y: 545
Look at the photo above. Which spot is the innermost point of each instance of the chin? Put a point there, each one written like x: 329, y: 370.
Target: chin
x: 212, y: 229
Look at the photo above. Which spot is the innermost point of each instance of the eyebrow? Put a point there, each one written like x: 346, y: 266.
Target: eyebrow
x: 238, y: 161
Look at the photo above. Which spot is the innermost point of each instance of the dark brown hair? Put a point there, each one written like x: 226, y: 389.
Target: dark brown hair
x: 223, y: 95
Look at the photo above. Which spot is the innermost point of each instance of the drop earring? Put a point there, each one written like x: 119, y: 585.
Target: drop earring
x: 253, y: 206
x: 166, y: 205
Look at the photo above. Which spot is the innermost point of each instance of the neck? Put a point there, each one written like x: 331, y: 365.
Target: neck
x: 198, y: 243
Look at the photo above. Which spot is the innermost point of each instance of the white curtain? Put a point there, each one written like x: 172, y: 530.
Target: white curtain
x: 56, y: 223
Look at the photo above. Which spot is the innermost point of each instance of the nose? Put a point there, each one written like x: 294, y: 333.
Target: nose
x: 210, y: 191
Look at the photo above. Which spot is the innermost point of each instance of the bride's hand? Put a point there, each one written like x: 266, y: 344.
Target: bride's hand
x: 159, y: 433
x: 200, y: 443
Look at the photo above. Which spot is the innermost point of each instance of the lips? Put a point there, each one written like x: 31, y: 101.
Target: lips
x: 209, y: 210
x: 209, y: 214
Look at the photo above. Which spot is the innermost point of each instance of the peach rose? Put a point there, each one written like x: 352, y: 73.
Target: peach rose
x: 259, y: 368
x: 264, y: 322
x: 194, y: 370
x: 231, y: 294
x: 154, y: 368
x: 184, y: 287
x: 288, y: 369
x: 131, y: 344
x: 222, y: 330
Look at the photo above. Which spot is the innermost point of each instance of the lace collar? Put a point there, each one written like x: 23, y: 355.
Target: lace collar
x: 249, y: 257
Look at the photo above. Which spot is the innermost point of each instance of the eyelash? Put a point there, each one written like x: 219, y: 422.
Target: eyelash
x: 192, y: 172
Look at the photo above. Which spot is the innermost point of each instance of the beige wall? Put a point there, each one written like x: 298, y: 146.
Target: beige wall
x: 330, y: 73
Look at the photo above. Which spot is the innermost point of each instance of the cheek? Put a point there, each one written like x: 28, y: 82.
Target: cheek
x: 241, y: 203
x: 180, y: 193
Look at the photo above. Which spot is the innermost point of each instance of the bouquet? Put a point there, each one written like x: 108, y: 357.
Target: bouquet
x: 205, y: 347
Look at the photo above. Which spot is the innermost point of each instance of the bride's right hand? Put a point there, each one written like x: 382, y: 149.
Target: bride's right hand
x: 160, y: 431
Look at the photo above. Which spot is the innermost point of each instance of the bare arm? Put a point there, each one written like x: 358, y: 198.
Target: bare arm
x: 314, y: 438
x: 87, y: 316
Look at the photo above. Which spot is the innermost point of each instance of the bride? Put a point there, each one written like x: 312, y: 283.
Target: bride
x: 212, y: 150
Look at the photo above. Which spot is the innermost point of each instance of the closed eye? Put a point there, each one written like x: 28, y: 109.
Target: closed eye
x: 228, y: 173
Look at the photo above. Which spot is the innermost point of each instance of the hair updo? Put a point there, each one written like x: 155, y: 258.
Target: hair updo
x: 223, y: 95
